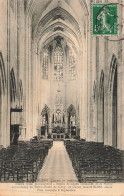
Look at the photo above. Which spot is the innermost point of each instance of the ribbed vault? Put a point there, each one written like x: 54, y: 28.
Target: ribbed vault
x: 47, y: 21
x: 52, y: 17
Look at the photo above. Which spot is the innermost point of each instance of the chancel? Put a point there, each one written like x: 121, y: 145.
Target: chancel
x: 61, y: 91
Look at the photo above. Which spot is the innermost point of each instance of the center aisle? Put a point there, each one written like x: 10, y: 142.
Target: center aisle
x: 57, y: 166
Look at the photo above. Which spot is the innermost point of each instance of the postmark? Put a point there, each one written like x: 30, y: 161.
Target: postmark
x: 105, y: 19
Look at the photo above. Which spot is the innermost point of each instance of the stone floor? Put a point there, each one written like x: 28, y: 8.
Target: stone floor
x: 57, y: 166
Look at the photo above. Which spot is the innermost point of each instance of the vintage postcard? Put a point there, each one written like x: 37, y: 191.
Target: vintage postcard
x: 62, y: 97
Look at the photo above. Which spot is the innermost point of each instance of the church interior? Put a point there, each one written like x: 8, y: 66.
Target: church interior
x: 60, y: 88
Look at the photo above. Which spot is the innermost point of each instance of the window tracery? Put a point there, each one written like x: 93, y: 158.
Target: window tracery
x: 45, y: 65
x: 58, y: 63
x: 72, y: 67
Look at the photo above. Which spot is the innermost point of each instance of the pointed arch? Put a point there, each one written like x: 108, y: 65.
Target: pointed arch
x: 71, y: 120
x: 44, y: 30
x: 57, y: 13
x: 0, y: 112
x: 112, y: 100
x: 94, y: 112
x: 94, y: 91
x: 45, y: 110
x: 71, y: 110
x: 2, y: 73
x: 84, y: 7
x: 113, y: 68
x: 20, y: 90
x: 12, y: 86
x: 2, y: 93
x: 101, y: 85
x: 45, y: 120
x: 58, y: 63
x: 101, y: 109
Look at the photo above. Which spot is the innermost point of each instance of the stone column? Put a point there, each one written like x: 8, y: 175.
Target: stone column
x: 70, y: 131
x: 97, y: 84
x: 50, y: 123
x: 106, y: 79
x: 46, y: 127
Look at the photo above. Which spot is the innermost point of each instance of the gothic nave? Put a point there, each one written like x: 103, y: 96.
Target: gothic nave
x: 60, y: 85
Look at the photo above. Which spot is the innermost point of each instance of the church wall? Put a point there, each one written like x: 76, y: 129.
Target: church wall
x: 113, y: 48
x: 4, y: 126
x: 45, y: 93
x: 104, y: 61
x: 24, y: 68
x: 100, y: 59
x: 71, y: 93
x: 105, y: 56
x: 122, y: 82
x: 13, y: 46
x: 92, y: 82
x: 20, y: 40
x: 29, y: 80
x: 3, y: 30
x: 84, y: 67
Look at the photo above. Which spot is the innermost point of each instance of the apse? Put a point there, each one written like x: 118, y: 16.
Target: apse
x: 59, y: 78
x: 55, y: 54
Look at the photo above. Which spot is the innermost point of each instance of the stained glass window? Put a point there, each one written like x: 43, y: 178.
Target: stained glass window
x: 72, y: 68
x: 45, y: 65
x: 58, y: 63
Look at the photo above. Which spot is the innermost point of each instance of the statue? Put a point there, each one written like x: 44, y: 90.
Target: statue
x: 58, y: 116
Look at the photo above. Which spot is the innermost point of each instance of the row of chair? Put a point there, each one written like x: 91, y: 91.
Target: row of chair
x: 94, y: 161
x: 23, y: 162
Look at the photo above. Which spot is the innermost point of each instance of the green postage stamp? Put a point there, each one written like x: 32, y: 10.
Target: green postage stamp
x: 104, y: 19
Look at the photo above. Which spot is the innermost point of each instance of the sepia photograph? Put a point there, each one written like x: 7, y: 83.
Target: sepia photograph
x: 61, y: 97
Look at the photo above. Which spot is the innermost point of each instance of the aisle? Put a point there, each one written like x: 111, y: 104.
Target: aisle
x: 57, y: 166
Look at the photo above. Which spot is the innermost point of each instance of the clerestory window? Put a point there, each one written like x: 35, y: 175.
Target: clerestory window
x: 58, y: 63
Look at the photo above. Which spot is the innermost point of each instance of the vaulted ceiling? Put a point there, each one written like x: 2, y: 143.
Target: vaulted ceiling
x: 51, y: 18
